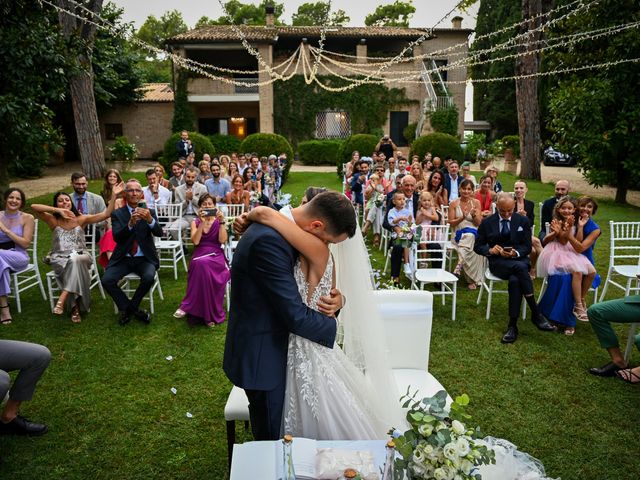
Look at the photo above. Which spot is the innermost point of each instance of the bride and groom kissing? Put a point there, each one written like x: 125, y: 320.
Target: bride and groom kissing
x: 284, y: 312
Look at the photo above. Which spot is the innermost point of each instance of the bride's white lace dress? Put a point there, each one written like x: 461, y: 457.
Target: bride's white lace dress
x: 326, y: 394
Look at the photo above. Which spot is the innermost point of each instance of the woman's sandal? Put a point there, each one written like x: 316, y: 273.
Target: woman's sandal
x: 627, y: 376
x: 568, y: 331
x: 5, y: 321
x: 458, y: 270
x: 59, y: 308
x: 580, y: 313
x: 75, y: 314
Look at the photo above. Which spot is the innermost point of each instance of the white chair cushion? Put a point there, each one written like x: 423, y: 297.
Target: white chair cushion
x: 237, y: 407
x: 628, y: 271
x: 420, y: 380
x: 435, y: 275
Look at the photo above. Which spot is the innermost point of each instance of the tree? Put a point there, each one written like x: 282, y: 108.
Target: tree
x: 30, y: 45
x: 318, y: 14
x: 595, y: 113
x: 83, y: 101
x: 396, y: 14
x: 495, y: 102
x: 156, y: 31
x: 244, y: 14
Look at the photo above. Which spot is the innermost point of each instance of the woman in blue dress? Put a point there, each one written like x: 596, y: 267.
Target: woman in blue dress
x: 558, y: 301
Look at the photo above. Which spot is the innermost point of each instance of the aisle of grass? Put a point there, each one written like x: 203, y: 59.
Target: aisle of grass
x: 107, y: 399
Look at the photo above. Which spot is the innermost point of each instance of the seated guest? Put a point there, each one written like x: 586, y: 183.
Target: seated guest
x: 238, y: 195
x: 85, y: 202
x: 358, y: 182
x: 435, y: 186
x: 492, y: 171
x: 561, y: 190
x: 464, y: 218
x: 466, y: 174
x: 224, y: 165
x: 232, y: 171
x: 154, y: 193
x: 111, y: 179
x: 601, y: 315
x: 16, y: 234
x: 133, y: 229
x: 177, y: 175
x: 205, y: 171
x: 208, y: 271
x: 418, y: 174
x: 162, y: 180
x: 107, y: 244
x: 527, y: 208
x: 69, y: 256
x: 217, y: 186
x: 251, y: 181
x: 30, y: 360
x: 505, y: 239
x: 559, y: 257
x: 486, y: 196
x: 188, y: 195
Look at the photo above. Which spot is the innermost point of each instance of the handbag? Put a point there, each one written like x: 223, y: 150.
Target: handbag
x: 7, y: 245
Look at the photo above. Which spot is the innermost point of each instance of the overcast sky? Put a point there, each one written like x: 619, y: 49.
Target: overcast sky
x: 428, y: 12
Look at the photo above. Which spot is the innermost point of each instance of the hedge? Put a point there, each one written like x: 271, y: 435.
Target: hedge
x: 201, y: 145
x: 319, y: 152
x: 439, y: 144
x: 225, y: 144
x: 362, y: 142
x: 265, y: 144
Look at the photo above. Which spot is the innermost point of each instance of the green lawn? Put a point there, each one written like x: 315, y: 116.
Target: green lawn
x: 106, y: 396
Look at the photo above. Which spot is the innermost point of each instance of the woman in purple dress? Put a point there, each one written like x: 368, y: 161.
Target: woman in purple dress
x: 208, y: 271
x: 16, y: 234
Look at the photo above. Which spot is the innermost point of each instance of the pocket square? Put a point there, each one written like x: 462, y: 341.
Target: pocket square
x: 520, y: 229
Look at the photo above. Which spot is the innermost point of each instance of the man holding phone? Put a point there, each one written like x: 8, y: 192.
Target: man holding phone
x: 134, y: 226
x: 505, y: 239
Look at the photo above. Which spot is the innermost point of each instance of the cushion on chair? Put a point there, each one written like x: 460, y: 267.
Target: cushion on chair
x: 237, y: 407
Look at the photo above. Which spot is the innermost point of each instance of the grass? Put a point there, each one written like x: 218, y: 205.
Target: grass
x: 106, y: 395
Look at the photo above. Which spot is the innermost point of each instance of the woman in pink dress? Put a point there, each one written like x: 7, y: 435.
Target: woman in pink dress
x: 208, y: 271
x: 107, y: 244
x: 559, y: 257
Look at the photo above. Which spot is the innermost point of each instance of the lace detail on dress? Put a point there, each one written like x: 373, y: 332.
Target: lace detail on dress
x: 69, y: 240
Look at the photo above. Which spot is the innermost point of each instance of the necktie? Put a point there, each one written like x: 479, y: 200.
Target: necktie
x: 79, y: 206
x: 504, y: 231
x: 134, y: 247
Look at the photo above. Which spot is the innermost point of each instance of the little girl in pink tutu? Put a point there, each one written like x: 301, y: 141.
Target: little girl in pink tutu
x: 559, y: 257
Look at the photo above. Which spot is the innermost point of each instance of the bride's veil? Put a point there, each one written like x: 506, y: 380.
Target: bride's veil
x: 364, y: 335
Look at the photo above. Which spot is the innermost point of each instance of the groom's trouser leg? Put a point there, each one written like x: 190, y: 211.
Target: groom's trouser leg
x: 265, y: 412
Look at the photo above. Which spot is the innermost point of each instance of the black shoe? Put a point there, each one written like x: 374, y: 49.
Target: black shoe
x: 543, y: 324
x: 511, y: 335
x: 125, y: 317
x: 22, y: 426
x: 608, y: 370
x: 143, y: 316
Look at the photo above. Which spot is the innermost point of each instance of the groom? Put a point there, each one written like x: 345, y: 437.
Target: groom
x: 266, y: 307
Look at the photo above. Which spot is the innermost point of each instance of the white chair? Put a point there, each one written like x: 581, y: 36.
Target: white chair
x: 30, y: 275
x: 94, y: 278
x: 407, y: 317
x: 544, y: 287
x: 128, y: 289
x: 421, y: 265
x: 231, y: 212
x: 624, y: 256
x: 633, y: 328
x: 492, y: 279
x: 451, y: 249
x: 235, y: 410
x: 168, y: 215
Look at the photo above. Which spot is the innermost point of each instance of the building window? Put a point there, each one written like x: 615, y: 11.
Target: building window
x: 112, y: 130
x: 333, y: 124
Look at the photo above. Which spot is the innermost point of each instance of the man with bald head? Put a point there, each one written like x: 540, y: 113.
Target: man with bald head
x: 505, y: 239
x: 562, y: 189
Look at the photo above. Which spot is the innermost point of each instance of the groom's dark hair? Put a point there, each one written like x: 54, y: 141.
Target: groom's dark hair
x: 336, y: 211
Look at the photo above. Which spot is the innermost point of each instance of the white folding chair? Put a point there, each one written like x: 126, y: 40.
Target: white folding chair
x: 236, y: 409
x: 422, y: 271
x: 492, y: 279
x: 451, y: 248
x: 169, y: 215
x: 30, y: 275
x: 624, y: 256
x: 543, y: 288
x: 128, y: 289
x: 94, y: 278
x: 231, y: 212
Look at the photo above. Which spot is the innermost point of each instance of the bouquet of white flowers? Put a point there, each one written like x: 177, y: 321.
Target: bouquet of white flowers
x: 379, y: 199
x: 439, y: 445
x: 254, y: 199
x: 409, y: 234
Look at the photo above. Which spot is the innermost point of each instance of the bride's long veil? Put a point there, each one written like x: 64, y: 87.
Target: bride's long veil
x: 364, y: 334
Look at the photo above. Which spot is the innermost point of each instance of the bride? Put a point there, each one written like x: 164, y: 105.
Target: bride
x: 343, y: 393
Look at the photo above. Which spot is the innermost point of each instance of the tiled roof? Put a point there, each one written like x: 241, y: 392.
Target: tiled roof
x: 156, y: 92
x: 225, y: 33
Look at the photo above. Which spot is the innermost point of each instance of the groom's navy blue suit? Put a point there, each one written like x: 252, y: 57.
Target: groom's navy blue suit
x: 265, y: 308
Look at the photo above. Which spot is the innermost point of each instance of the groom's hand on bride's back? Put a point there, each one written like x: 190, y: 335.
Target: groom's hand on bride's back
x: 241, y: 223
x: 332, y: 303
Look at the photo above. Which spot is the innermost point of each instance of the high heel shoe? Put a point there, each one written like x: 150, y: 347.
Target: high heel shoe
x: 59, y: 308
x: 580, y: 313
x: 75, y: 314
x: 8, y: 320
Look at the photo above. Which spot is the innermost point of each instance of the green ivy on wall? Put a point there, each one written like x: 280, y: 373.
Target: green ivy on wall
x: 183, y: 116
x: 296, y: 105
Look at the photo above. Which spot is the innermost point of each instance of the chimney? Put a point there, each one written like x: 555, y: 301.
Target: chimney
x: 269, y: 11
x: 456, y: 22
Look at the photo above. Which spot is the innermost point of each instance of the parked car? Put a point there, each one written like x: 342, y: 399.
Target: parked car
x: 555, y: 157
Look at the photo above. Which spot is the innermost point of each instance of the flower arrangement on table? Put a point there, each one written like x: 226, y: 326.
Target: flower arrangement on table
x: 408, y: 235
x: 439, y: 445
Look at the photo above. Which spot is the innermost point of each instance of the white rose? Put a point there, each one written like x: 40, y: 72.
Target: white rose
x: 440, y: 474
x: 450, y: 451
x: 418, y: 456
x: 463, y: 447
x: 425, y: 430
x: 427, y: 449
x: 466, y: 466
x: 457, y: 427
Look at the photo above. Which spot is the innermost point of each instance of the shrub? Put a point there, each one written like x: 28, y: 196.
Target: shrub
x: 445, y: 120
x: 201, y: 145
x: 123, y: 151
x: 512, y: 142
x: 265, y: 144
x: 225, y: 144
x: 474, y: 141
x: 409, y: 132
x: 319, y: 152
x: 361, y: 142
x: 439, y: 144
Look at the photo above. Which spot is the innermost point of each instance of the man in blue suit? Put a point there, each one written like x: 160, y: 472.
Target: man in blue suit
x: 266, y: 307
